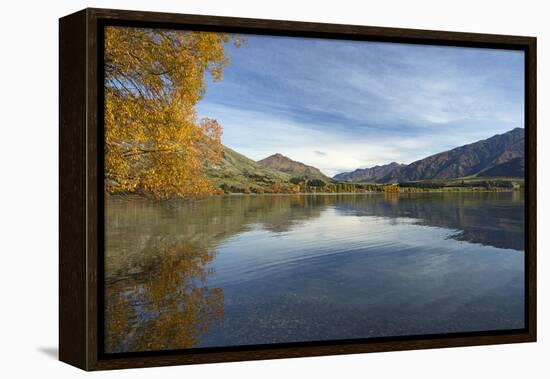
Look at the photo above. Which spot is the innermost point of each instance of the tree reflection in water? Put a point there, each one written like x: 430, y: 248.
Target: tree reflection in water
x: 166, y: 306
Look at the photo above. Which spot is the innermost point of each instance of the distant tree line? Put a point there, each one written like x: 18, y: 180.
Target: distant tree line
x: 301, y: 185
x: 481, y: 184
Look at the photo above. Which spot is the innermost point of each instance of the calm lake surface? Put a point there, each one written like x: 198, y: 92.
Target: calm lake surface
x: 239, y: 270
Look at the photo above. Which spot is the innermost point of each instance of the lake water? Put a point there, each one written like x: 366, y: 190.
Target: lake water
x: 240, y: 270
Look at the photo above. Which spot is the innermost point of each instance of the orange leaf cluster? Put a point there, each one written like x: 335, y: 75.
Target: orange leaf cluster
x: 154, y: 143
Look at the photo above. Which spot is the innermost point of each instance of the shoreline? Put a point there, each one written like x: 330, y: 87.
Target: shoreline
x: 139, y: 197
x: 359, y: 193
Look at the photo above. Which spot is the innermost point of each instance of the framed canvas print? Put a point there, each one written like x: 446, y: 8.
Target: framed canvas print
x: 236, y: 189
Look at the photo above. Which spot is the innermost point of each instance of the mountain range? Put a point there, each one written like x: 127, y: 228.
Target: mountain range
x: 499, y: 156
x: 372, y: 174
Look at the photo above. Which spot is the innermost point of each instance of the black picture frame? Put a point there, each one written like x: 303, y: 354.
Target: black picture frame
x: 81, y: 188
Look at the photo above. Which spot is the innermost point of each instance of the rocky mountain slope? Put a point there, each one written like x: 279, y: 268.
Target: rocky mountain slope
x: 501, y: 155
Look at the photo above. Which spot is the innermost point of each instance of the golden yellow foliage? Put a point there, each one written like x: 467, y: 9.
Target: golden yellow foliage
x: 154, y: 143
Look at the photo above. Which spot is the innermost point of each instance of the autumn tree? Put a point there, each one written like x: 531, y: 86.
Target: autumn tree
x: 154, y: 142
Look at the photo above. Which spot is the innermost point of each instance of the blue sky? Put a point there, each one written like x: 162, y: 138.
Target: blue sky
x: 342, y: 105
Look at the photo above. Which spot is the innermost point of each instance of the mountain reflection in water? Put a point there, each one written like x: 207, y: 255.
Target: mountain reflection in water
x: 237, y: 270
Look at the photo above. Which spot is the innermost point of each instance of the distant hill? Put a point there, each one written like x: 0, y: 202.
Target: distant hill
x: 295, y: 169
x: 499, y: 156
x: 372, y: 174
x: 487, y: 157
x: 237, y: 173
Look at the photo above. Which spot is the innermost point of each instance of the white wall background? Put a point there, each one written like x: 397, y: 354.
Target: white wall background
x: 28, y: 187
